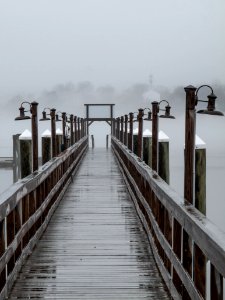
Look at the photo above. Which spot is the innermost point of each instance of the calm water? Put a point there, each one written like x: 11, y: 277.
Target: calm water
x: 215, y: 187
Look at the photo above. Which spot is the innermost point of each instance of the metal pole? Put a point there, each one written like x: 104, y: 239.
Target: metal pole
x: 140, y: 132
x: 53, y: 132
x: 190, y: 124
x: 130, y: 140
x: 155, y: 121
x: 34, y: 125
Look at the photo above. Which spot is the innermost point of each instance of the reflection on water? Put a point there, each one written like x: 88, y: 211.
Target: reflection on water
x: 6, y: 178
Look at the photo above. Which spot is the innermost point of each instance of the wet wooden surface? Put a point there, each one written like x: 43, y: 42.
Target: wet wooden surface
x: 94, y: 246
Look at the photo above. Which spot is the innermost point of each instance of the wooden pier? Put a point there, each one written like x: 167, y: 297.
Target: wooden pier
x: 94, y: 246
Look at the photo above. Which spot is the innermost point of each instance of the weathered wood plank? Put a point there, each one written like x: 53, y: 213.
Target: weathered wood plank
x: 95, y: 246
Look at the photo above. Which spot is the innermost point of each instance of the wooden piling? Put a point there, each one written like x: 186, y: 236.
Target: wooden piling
x: 25, y: 153
x: 16, y: 158
x: 59, y: 136
x: 46, y: 146
x: 147, y: 147
x: 163, y: 165
x: 135, y: 141
x: 92, y: 141
x: 200, y: 175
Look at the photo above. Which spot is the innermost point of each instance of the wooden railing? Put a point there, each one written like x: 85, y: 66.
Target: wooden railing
x: 26, y: 208
x: 183, y: 240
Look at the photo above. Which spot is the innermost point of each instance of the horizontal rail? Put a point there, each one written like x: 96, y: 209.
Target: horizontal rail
x: 167, y: 218
x: 25, y: 207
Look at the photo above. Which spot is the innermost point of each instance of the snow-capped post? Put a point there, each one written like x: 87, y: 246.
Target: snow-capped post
x: 147, y: 147
x: 25, y: 153
x: 46, y: 146
x: 163, y: 165
x: 200, y: 175
x: 135, y: 141
x: 59, y: 140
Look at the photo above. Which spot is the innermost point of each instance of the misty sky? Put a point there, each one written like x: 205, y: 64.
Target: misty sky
x: 117, y: 42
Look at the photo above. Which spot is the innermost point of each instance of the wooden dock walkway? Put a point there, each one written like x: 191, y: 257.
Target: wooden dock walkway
x: 94, y: 246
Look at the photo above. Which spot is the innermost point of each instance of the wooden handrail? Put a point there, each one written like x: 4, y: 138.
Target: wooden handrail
x: 167, y: 217
x: 26, y: 208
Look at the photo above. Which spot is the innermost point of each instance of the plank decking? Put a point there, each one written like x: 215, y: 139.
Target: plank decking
x: 94, y: 246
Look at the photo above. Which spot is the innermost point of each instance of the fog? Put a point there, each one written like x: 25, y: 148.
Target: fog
x: 64, y: 54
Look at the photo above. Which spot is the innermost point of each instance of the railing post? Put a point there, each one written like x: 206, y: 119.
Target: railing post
x: 140, y: 132
x: 125, y: 133
x: 155, y: 121
x: 130, y: 138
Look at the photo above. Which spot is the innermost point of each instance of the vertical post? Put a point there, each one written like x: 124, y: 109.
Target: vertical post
x: 130, y: 140
x: 46, y: 146
x: 16, y: 157
x: 111, y: 116
x: 59, y: 141
x: 25, y: 153
x: 114, y: 127
x: 200, y: 175
x: 125, y: 133
x: 34, y: 126
x: 147, y: 147
x: 155, y: 121
x: 82, y: 127
x: 64, y: 131
x: 87, y: 117
x: 188, y: 171
x: 190, y: 119
x: 53, y: 132
x: 140, y: 132
x: 117, y: 128
x: 163, y: 165
x: 121, y: 132
x: 71, y: 130
x: 75, y: 129
x: 78, y: 129
x: 92, y: 141
x: 107, y: 141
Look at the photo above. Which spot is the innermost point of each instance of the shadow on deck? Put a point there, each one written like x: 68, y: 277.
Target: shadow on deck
x: 94, y: 246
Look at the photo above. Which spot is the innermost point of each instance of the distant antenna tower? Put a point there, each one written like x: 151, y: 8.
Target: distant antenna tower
x: 150, y: 80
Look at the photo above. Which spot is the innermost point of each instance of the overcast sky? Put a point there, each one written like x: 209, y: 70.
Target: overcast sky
x: 117, y: 42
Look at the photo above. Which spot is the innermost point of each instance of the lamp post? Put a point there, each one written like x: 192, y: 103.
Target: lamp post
x: 155, y: 129
x: 190, y: 129
x: 34, y: 128
x: 53, y: 129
